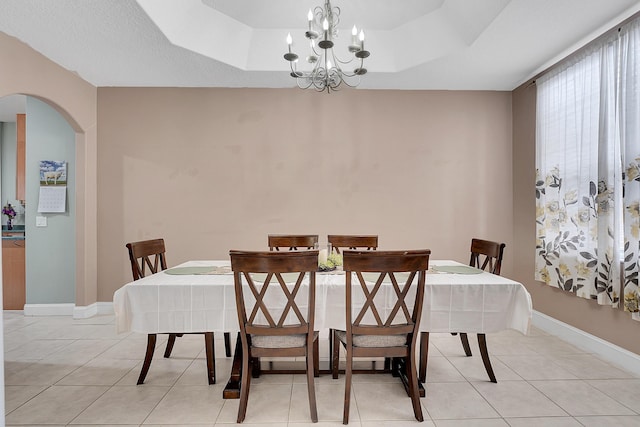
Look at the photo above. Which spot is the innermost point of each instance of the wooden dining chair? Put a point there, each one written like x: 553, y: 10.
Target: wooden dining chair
x: 269, y: 327
x: 149, y: 256
x: 485, y: 255
x: 351, y: 241
x: 292, y: 241
x: 386, y: 325
x: 344, y: 241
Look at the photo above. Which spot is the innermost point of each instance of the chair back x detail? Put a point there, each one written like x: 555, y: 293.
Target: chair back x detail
x: 146, y: 254
x: 486, y: 255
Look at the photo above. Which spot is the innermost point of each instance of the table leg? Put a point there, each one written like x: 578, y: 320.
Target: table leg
x: 399, y: 367
x: 232, y: 389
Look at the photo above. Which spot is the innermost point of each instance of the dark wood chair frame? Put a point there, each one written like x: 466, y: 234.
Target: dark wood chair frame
x: 274, y: 264
x: 150, y: 256
x: 386, y: 263
x: 292, y: 241
x: 369, y: 242
x: 485, y: 255
x: 353, y: 242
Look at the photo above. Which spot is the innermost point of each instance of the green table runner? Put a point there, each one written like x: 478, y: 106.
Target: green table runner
x: 199, y: 270
x: 457, y: 269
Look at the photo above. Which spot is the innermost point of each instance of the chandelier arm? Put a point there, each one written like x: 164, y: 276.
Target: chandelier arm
x: 301, y: 86
x: 346, y: 82
x: 313, y: 49
x: 338, y: 60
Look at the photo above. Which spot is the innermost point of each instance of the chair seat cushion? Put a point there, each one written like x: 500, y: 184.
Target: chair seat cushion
x: 374, y: 340
x: 280, y: 341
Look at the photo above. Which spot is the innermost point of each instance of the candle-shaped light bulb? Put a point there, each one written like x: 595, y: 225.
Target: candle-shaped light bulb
x: 354, y: 35
x: 325, y: 27
x: 361, y: 40
x: 289, y: 41
x: 310, y: 18
x: 328, y: 65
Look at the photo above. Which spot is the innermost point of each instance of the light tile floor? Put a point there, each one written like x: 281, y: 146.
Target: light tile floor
x: 60, y: 371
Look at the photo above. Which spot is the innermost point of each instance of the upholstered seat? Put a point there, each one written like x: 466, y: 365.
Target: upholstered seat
x: 280, y: 341
x: 374, y: 340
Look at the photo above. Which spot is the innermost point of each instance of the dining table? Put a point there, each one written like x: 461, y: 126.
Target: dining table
x: 199, y: 296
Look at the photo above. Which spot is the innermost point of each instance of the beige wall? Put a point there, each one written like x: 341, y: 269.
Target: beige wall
x: 612, y: 325
x: 217, y: 169
x: 25, y: 71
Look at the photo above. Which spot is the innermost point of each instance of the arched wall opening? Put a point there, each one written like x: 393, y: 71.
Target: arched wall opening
x: 82, y: 302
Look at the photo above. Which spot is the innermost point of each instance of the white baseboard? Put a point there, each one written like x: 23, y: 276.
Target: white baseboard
x: 618, y: 356
x: 49, y: 309
x: 78, y: 312
x: 83, y: 312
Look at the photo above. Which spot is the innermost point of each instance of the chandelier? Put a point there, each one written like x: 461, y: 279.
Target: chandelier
x: 327, y: 72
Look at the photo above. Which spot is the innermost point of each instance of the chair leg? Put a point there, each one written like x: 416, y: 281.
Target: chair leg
x: 424, y: 354
x: 347, y: 385
x: 335, y: 356
x: 227, y: 344
x: 465, y: 344
x: 412, y: 376
x: 331, y: 344
x: 256, y: 369
x: 244, y: 385
x: 482, y: 343
x: 312, y: 367
x: 170, y: 342
x: 316, y: 357
x: 210, y: 351
x: 151, y: 346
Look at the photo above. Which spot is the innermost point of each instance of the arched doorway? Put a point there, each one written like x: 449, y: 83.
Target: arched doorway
x: 49, y: 230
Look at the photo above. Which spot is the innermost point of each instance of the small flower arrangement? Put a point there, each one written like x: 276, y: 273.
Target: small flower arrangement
x: 334, y: 260
x: 9, y: 211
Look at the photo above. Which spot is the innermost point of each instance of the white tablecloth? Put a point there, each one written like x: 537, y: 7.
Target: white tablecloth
x: 475, y: 303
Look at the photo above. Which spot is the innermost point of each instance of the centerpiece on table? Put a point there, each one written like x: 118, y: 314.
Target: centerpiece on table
x: 10, y: 213
x: 329, y: 262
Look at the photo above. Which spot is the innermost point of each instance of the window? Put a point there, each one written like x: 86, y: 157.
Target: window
x: 588, y: 178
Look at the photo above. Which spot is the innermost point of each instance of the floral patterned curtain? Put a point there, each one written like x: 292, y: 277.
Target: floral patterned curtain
x: 587, y: 184
x: 630, y: 143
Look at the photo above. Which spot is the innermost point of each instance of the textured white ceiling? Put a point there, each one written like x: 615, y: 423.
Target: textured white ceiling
x: 414, y: 44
